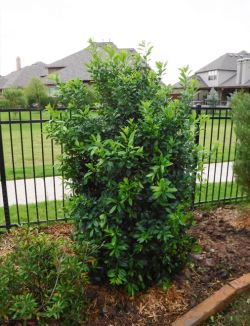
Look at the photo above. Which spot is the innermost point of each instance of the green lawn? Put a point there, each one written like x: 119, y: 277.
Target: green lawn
x: 216, y: 191
x: 236, y: 314
x: 219, y: 138
x: 31, y: 213
x: 28, y: 160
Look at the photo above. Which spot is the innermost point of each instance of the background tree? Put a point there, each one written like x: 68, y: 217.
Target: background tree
x: 14, y: 98
x: 241, y: 117
x: 36, y: 93
x: 3, y: 103
x: 213, y: 98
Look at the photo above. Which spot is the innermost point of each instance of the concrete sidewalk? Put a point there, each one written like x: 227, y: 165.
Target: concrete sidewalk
x: 40, y: 188
x: 49, y: 189
x: 218, y: 172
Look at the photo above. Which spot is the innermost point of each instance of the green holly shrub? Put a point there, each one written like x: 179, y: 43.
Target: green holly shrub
x: 43, y: 279
x: 241, y: 118
x: 130, y: 160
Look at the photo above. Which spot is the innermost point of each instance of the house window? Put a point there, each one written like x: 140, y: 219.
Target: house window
x: 212, y: 75
x: 52, y: 91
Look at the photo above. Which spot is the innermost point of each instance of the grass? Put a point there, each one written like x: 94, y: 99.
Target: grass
x: 29, y: 160
x: 237, y: 313
x: 218, y: 137
x: 217, y: 191
x: 56, y: 210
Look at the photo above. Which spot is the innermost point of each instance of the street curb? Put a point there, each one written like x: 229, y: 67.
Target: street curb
x: 215, y: 303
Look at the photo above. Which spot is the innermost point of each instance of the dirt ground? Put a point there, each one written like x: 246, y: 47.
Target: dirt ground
x: 224, y: 235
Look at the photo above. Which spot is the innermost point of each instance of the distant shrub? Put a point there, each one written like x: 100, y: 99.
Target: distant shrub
x: 213, y: 98
x: 241, y: 117
x: 14, y: 98
x: 131, y: 164
x: 43, y: 279
x: 4, y: 104
x: 36, y: 93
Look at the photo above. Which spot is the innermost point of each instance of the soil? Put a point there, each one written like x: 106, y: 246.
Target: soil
x: 224, y: 235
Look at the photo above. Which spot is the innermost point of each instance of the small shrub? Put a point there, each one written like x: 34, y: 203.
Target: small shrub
x: 4, y: 103
x: 131, y: 162
x: 14, y: 98
x: 43, y: 279
x: 241, y: 118
x: 213, y: 98
x: 36, y: 93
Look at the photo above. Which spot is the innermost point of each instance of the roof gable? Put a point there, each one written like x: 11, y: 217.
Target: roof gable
x: 227, y: 61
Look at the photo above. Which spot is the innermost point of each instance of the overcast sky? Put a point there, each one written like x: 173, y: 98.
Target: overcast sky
x: 192, y: 32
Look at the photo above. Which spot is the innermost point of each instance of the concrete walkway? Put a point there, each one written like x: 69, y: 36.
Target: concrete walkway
x: 38, y: 189
x: 218, y: 172
x: 49, y: 189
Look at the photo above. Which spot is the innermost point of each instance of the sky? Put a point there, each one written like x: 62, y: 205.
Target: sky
x: 183, y: 32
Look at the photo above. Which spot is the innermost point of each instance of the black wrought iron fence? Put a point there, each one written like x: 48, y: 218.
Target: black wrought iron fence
x: 216, y: 136
x: 33, y: 189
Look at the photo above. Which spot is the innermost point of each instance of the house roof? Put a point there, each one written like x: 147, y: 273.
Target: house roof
x: 22, y: 77
x: 69, y: 67
x: 227, y: 61
x: 74, y: 65
x: 231, y: 82
x: 200, y: 83
x: 2, y: 81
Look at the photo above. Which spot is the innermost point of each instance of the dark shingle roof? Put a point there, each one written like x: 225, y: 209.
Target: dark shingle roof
x: 227, y: 61
x: 74, y: 65
x: 73, y: 59
x: 2, y: 81
x: 200, y: 83
x: 231, y: 82
x: 22, y: 77
x: 70, y: 67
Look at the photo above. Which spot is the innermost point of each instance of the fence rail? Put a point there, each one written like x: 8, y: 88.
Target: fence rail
x: 33, y: 189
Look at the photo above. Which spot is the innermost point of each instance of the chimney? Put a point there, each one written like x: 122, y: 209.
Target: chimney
x: 239, y: 71
x: 245, y: 70
x: 18, y: 63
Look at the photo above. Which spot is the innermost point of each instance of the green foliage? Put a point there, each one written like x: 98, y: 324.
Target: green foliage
x: 74, y: 93
x: 13, y: 98
x: 36, y: 93
x: 43, y: 279
x: 241, y: 118
x: 212, y: 98
x: 3, y: 103
x: 130, y: 160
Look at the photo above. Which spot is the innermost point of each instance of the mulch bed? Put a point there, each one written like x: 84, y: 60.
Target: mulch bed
x: 224, y: 235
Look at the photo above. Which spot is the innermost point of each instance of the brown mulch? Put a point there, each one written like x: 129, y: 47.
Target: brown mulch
x: 224, y: 235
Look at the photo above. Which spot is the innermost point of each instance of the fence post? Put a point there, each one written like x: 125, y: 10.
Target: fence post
x: 197, y: 141
x: 3, y: 183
